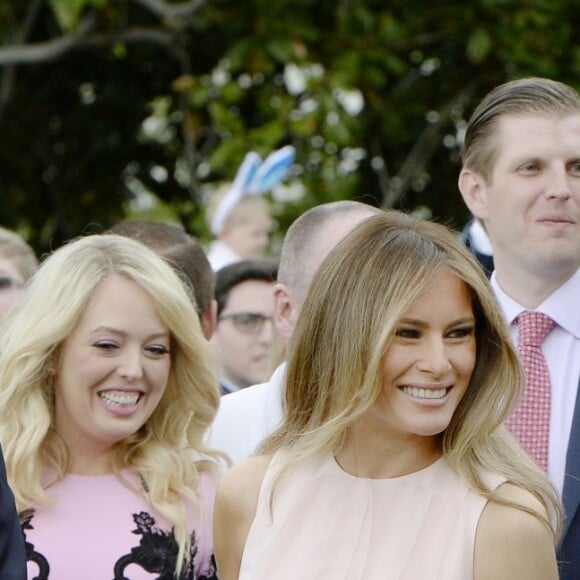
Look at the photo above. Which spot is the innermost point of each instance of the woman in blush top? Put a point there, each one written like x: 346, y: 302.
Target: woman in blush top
x: 392, y: 462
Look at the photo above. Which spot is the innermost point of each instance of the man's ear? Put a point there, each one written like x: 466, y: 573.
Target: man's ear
x: 285, y: 311
x: 208, y: 320
x: 474, y: 192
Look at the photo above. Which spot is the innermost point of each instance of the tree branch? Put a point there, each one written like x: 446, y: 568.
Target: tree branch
x: 129, y: 36
x: 171, y: 12
x: 53, y: 49
x: 421, y: 153
x: 45, y: 51
x: 9, y: 74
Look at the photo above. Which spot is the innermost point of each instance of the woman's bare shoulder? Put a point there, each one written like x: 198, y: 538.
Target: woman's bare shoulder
x: 234, y: 511
x: 512, y: 543
x: 247, y: 472
x: 243, y: 481
x: 516, y: 494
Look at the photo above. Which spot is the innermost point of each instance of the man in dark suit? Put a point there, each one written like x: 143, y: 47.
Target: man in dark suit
x: 12, y: 554
x: 521, y: 180
x: 474, y: 237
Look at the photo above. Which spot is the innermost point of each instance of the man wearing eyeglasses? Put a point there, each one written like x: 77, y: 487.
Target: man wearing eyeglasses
x: 245, y: 331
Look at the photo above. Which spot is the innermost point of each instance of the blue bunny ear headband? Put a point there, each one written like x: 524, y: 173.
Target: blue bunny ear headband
x: 254, y: 177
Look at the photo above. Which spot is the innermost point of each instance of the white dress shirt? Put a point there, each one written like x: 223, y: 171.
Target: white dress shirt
x: 561, y: 349
x: 245, y: 418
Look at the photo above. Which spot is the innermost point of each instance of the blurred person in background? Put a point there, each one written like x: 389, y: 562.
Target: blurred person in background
x: 186, y: 255
x: 245, y: 330
x: 239, y: 216
x: 245, y: 234
x: 18, y: 262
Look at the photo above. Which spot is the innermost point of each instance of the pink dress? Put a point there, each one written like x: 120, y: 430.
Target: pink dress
x: 329, y: 525
x: 98, y: 528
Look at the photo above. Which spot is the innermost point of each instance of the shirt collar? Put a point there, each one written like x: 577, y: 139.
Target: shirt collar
x: 228, y: 386
x: 562, y: 306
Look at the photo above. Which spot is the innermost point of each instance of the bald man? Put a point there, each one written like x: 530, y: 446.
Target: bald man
x: 247, y: 417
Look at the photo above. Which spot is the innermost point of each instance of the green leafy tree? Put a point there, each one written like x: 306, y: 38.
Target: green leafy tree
x: 108, y: 105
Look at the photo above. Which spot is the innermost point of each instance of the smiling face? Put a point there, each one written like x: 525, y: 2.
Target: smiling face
x: 113, y: 368
x: 428, y: 365
x: 531, y: 203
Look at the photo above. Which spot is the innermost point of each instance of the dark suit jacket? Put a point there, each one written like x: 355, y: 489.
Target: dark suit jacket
x: 12, y: 554
x: 485, y: 260
x: 569, y: 548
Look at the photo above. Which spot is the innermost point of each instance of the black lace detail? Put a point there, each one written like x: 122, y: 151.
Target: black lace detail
x: 211, y: 572
x: 157, y: 553
x: 31, y: 554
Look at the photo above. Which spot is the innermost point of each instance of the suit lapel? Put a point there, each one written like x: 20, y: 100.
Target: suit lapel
x: 571, y: 492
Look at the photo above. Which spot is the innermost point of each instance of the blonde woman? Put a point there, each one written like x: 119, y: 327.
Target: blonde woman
x: 392, y: 462
x: 108, y: 387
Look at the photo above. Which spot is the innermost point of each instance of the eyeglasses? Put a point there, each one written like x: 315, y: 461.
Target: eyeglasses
x: 247, y: 322
x: 7, y: 283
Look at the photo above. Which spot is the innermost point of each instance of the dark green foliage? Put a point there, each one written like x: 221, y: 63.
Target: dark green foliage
x: 70, y: 129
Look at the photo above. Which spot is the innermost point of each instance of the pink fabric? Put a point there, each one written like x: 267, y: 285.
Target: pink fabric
x: 93, y: 526
x: 530, y: 422
x: 325, y: 524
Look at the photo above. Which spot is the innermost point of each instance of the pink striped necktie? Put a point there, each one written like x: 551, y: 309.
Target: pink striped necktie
x: 530, y: 422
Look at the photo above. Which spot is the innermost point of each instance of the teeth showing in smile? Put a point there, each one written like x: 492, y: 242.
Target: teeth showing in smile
x: 425, y: 393
x: 120, y: 399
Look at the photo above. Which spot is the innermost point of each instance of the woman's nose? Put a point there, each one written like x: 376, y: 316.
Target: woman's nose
x: 130, y: 366
x: 434, y: 358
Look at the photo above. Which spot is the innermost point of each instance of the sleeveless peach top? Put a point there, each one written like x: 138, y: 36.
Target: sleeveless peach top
x: 328, y: 525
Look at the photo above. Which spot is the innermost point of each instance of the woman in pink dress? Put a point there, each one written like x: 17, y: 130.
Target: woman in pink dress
x: 392, y: 462
x: 108, y: 386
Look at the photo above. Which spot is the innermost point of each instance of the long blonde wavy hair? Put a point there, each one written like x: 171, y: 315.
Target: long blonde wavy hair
x: 168, y: 452
x: 359, y: 294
